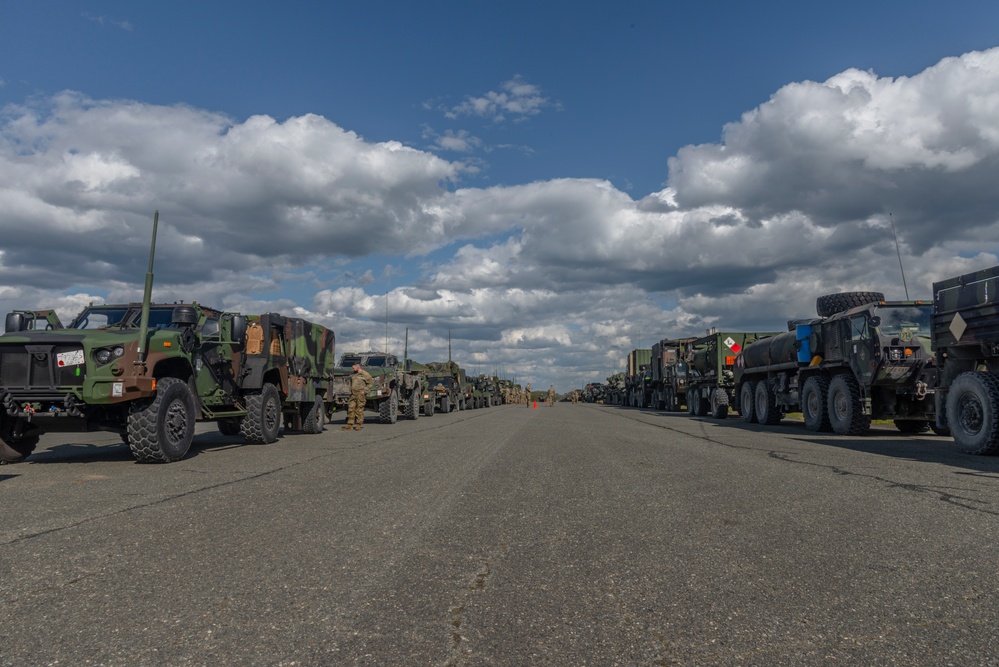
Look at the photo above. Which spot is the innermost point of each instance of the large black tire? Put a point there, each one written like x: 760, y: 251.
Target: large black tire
x: 413, y: 405
x: 718, y: 404
x: 388, y: 410
x: 161, y: 429
x: 830, y: 304
x: 315, y: 418
x: 765, y: 405
x: 263, y: 416
x: 701, y: 405
x: 428, y: 407
x: 446, y: 404
x: 911, y: 426
x: 691, y: 409
x: 973, y: 411
x: 228, y: 426
x: 16, y: 448
x: 747, y: 401
x: 845, y: 412
x: 815, y: 404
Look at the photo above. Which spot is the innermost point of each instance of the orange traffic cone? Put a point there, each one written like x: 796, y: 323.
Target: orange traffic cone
x: 535, y: 405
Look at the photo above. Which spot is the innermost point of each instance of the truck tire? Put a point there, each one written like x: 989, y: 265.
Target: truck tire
x: 263, y: 416
x: 315, y: 417
x: 691, y: 410
x: 718, y: 404
x: 830, y: 304
x: 228, y: 426
x: 446, y: 404
x: 765, y: 405
x: 815, y: 404
x: 388, y: 409
x: 413, y: 405
x: 161, y: 429
x: 747, y: 402
x: 973, y: 411
x: 846, y: 416
x: 13, y: 449
x: 428, y: 407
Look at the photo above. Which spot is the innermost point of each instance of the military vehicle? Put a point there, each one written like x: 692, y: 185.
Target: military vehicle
x: 149, y: 371
x: 443, y: 390
x: 594, y: 392
x: 612, y: 392
x: 710, y: 362
x: 669, y: 374
x: 864, y: 358
x: 965, y: 340
x: 394, y: 386
x: 638, y: 379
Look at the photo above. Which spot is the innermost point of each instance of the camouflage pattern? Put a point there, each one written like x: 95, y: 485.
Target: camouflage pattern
x: 443, y: 388
x: 395, y: 389
x: 89, y: 375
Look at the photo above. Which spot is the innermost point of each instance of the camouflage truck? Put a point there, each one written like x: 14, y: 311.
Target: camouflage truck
x: 669, y: 374
x: 864, y: 358
x: 638, y: 379
x: 394, y: 385
x: 613, y: 392
x: 149, y: 371
x: 710, y: 362
x: 443, y: 390
x: 965, y: 341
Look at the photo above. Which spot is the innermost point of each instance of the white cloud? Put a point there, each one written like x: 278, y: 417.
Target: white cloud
x: 516, y: 99
x: 792, y: 203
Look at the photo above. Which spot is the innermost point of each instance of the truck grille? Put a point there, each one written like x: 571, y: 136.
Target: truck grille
x: 37, y: 367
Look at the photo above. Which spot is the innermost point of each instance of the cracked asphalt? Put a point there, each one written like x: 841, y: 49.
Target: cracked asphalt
x: 573, y: 535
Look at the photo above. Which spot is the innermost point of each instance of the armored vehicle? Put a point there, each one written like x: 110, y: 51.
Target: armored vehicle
x: 864, y: 358
x: 149, y: 371
x: 395, y: 387
x: 443, y: 390
x: 669, y: 374
x: 710, y: 363
x: 965, y: 340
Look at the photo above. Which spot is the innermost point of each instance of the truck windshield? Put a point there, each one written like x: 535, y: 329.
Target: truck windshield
x: 348, y: 360
x: 894, y: 319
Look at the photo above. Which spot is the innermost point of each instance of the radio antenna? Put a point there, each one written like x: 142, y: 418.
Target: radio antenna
x: 899, y: 253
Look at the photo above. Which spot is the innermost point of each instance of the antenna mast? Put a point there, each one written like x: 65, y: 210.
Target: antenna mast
x: 899, y: 253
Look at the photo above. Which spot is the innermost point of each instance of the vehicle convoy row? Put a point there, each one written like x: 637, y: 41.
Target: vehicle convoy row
x: 921, y: 364
x: 149, y: 371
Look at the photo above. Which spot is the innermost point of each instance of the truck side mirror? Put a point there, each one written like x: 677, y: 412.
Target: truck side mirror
x: 239, y: 326
x: 15, y: 322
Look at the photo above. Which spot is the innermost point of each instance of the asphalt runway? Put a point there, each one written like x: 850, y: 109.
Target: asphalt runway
x: 566, y: 535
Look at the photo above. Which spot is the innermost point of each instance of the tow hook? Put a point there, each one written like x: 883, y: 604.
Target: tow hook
x: 921, y: 390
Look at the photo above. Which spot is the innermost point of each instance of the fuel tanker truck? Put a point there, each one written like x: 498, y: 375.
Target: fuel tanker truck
x: 863, y: 358
x: 710, y: 362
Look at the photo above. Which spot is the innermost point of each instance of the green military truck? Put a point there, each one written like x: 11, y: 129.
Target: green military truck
x: 395, y: 386
x: 710, y: 363
x: 864, y: 358
x: 669, y: 374
x: 638, y: 379
x: 149, y: 371
x: 443, y: 390
x: 965, y: 340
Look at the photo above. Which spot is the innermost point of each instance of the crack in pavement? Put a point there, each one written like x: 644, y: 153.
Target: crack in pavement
x: 457, y: 652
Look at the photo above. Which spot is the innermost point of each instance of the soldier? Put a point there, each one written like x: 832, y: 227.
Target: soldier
x: 551, y: 395
x: 527, y: 393
x: 360, y: 384
x: 575, y: 396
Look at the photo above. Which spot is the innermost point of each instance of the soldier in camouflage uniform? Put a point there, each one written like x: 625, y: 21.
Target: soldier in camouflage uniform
x: 527, y: 394
x: 551, y: 395
x: 360, y: 384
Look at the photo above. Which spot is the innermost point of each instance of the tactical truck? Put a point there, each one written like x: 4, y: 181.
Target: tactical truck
x: 395, y: 386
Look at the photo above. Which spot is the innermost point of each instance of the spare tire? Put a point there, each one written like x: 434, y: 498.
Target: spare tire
x: 830, y: 304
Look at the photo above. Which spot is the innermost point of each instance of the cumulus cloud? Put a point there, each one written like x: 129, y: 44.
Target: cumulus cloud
x: 553, y: 280
x: 516, y: 99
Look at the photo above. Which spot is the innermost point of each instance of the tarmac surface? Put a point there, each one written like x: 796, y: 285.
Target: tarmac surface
x: 566, y: 535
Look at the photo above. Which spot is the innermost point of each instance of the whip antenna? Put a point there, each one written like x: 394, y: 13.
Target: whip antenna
x: 899, y: 253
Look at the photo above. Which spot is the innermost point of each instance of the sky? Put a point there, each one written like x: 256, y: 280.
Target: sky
x: 550, y: 184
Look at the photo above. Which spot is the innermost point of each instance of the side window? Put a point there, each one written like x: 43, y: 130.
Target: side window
x: 857, y: 328
x: 211, y: 327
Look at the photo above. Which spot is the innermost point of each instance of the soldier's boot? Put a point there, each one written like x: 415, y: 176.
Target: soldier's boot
x: 358, y: 428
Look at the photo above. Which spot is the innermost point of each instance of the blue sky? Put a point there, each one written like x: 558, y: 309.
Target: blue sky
x: 529, y: 175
